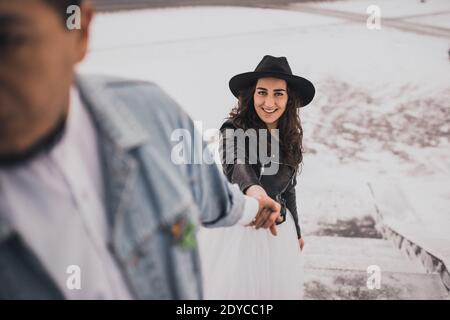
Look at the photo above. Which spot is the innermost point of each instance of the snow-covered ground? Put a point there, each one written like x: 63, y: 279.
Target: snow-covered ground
x: 381, y: 113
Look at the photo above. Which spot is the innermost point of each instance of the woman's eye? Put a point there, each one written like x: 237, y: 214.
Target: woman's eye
x: 262, y: 93
x: 279, y: 94
x: 11, y: 41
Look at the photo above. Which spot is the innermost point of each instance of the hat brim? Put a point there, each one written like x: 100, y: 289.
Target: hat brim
x: 304, y: 88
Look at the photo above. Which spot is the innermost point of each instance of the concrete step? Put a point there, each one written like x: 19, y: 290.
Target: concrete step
x: 356, y: 254
x: 332, y: 284
x: 336, y: 268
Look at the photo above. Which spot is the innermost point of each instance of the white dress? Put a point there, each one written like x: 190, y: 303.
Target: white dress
x: 242, y: 263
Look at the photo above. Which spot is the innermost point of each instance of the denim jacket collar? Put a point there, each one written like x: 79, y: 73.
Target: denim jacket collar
x: 120, y: 126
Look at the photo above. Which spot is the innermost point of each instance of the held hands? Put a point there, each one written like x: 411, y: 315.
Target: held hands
x: 269, y: 210
x: 268, y: 214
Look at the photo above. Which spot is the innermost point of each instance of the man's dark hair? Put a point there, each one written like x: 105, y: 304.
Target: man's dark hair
x: 61, y: 6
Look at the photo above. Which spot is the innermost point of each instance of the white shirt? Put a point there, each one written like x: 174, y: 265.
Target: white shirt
x: 56, y: 203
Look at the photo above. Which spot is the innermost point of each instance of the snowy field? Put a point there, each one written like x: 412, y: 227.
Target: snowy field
x: 391, y: 8
x: 381, y: 114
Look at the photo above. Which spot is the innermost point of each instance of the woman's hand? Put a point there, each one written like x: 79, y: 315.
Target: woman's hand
x: 301, y: 243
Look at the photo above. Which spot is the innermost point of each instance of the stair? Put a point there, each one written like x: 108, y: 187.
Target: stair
x: 336, y: 268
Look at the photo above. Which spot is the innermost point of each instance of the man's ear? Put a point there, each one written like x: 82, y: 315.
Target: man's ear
x: 87, y: 14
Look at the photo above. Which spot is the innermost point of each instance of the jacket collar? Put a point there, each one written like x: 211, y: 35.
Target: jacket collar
x: 111, y: 116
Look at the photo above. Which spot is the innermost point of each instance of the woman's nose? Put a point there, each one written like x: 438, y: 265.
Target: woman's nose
x: 269, y: 102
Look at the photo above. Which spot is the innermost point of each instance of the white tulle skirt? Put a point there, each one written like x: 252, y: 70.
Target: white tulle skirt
x: 241, y: 263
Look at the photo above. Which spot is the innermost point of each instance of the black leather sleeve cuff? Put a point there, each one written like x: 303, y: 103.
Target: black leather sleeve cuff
x: 244, y: 176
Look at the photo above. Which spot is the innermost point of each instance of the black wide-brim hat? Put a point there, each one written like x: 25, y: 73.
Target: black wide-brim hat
x: 274, y: 68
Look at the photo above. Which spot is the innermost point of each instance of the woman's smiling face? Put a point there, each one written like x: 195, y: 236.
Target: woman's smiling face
x: 270, y: 99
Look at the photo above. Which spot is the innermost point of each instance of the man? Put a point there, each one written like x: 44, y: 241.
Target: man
x: 91, y: 205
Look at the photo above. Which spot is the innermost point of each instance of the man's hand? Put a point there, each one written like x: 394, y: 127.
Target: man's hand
x: 268, y: 214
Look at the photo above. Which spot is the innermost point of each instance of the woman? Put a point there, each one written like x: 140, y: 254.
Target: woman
x: 245, y: 263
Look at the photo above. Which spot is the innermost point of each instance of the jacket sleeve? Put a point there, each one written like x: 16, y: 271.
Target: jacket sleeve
x: 291, y: 204
x: 241, y: 174
x: 221, y: 203
x: 201, y: 182
x: 236, y: 164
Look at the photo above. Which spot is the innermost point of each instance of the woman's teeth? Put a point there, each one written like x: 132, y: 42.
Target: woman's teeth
x: 269, y: 110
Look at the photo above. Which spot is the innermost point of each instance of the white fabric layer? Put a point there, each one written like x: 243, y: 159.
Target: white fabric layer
x: 243, y: 263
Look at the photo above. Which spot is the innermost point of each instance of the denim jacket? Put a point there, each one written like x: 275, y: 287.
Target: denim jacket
x: 147, y: 195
